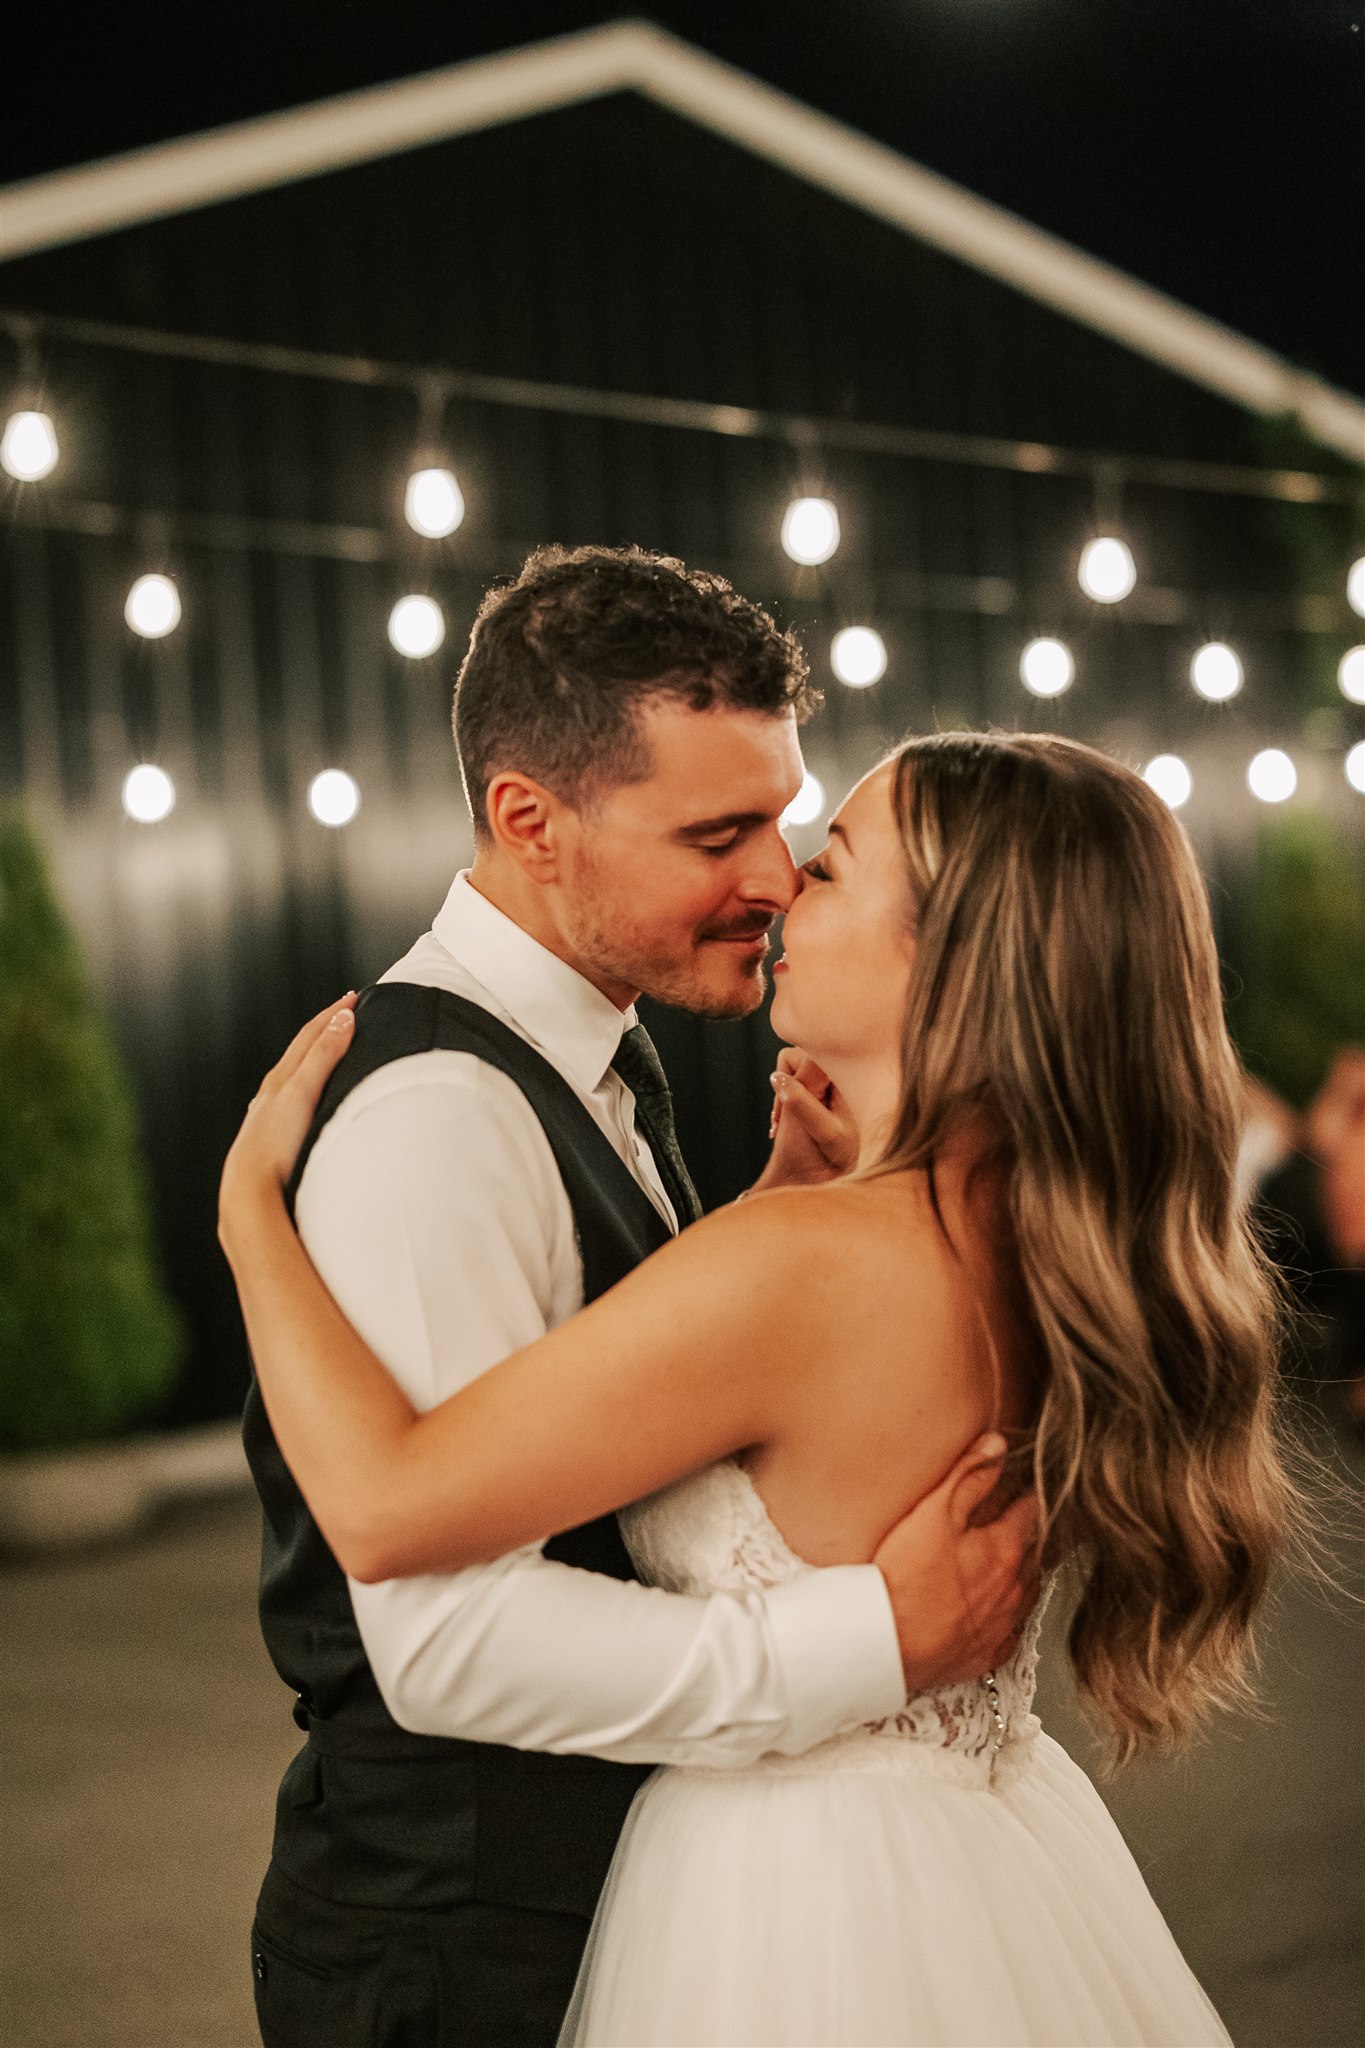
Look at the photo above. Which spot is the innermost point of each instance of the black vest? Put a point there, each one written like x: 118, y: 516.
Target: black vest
x: 369, y: 1814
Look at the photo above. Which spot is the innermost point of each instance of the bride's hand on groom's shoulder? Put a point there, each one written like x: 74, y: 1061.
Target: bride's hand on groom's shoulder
x: 262, y: 1154
x: 814, y: 1137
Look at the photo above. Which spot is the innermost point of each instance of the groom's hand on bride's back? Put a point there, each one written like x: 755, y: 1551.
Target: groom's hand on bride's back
x: 961, y: 1594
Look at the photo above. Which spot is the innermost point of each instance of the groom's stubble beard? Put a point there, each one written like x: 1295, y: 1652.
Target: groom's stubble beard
x: 691, y: 973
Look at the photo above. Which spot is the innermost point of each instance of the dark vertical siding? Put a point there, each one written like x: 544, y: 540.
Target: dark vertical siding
x: 610, y: 246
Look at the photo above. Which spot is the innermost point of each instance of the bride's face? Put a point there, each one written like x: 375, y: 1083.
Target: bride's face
x: 840, y: 986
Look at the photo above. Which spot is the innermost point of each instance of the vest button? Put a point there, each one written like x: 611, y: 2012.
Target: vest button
x: 259, y: 1960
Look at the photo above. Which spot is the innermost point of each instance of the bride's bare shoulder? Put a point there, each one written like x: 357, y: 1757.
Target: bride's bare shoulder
x: 797, y: 1280
x: 897, y: 1201
x: 839, y: 1228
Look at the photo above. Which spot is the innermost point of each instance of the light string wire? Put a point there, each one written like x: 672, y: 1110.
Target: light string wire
x: 435, y: 387
x: 1105, y: 468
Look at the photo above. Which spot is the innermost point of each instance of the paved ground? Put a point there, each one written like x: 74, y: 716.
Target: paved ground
x: 143, y: 1732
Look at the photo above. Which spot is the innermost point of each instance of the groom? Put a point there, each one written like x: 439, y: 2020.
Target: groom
x: 496, y: 1148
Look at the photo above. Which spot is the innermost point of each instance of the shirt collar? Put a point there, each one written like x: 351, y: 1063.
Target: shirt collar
x: 564, y: 1016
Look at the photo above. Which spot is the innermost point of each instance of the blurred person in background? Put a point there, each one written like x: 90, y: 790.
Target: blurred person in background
x: 1308, y: 1173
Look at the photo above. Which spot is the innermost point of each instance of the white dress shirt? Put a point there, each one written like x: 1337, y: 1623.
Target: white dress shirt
x: 433, y: 1209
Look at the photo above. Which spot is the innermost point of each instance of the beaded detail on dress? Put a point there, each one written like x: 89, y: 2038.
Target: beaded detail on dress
x: 711, y: 1533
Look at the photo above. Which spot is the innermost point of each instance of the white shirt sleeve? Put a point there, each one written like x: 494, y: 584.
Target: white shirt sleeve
x: 433, y: 1210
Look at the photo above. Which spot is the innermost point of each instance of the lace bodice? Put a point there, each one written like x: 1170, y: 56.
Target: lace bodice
x: 711, y: 1533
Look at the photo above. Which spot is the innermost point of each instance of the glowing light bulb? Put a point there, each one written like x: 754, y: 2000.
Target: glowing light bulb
x: 1351, y: 675
x: 416, y: 627
x: 1168, y: 775
x: 1355, y: 766
x: 810, y: 530
x: 809, y: 801
x: 1046, y: 668
x: 333, y: 797
x: 1107, y: 572
x: 148, y: 794
x: 1216, y: 672
x: 858, y: 657
x: 1355, y: 586
x: 1272, y: 776
x: 433, y: 503
x: 28, y: 447
x: 153, y: 607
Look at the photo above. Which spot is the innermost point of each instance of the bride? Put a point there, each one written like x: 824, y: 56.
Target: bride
x: 1003, y: 963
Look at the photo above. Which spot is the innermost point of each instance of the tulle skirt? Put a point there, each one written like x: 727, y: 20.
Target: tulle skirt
x: 876, y: 1899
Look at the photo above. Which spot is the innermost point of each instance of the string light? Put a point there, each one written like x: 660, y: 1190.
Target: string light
x: 1351, y: 675
x: 148, y: 794
x: 153, y: 607
x: 1107, y: 571
x: 434, y: 507
x: 810, y: 531
x: 433, y: 503
x: 1168, y: 775
x: 1216, y: 672
x: 1046, y: 668
x: 1272, y: 776
x: 28, y: 447
x: 858, y: 657
x: 416, y: 627
x: 809, y: 801
x: 333, y: 797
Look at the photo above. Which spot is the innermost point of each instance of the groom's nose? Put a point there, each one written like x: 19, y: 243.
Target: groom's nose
x: 770, y: 875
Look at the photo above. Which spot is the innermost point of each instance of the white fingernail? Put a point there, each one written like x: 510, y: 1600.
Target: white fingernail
x: 341, y: 1020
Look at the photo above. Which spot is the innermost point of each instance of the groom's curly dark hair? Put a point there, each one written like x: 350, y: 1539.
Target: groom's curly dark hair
x: 561, y: 661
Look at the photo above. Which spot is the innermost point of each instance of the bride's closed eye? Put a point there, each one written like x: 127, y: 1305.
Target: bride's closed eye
x: 816, y: 868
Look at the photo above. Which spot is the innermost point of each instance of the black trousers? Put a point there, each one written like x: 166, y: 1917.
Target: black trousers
x: 467, y: 1976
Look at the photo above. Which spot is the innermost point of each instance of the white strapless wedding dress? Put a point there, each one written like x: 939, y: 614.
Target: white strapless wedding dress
x: 945, y: 1879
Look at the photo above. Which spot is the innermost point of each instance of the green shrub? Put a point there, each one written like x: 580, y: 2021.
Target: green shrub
x: 88, y: 1338
x: 1295, y: 942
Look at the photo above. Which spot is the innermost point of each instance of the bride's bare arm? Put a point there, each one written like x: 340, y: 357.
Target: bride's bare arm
x: 670, y: 1370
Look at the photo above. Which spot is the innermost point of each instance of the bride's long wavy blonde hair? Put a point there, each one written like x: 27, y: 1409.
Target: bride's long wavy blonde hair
x: 1065, y: 996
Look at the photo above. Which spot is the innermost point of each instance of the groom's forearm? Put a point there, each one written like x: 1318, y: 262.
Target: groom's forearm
x: 536, y: 1655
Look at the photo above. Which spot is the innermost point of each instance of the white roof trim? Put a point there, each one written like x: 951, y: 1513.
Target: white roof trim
x: 253, y: 156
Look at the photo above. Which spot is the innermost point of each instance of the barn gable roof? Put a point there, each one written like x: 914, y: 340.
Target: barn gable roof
x: 461, y: 99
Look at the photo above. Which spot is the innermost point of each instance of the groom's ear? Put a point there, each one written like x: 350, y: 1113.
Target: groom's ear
x: 526, y: 822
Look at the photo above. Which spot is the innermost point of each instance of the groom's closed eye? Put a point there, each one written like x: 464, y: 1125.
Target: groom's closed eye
x: 725, y: 830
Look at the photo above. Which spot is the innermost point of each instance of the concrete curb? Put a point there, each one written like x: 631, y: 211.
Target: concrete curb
x: 61, y: 1500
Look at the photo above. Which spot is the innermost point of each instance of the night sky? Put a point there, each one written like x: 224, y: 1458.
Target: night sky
x: 1215, y: 148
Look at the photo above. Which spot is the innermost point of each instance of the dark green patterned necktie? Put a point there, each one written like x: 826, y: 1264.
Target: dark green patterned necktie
x: 639, y: 1067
